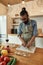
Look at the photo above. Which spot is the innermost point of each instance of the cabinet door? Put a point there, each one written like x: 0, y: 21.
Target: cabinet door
x: 39, y: 42
x: 3, y: 25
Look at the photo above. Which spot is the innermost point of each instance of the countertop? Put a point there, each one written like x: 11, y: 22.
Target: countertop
x: 31, y: 59
x: 39, y: 35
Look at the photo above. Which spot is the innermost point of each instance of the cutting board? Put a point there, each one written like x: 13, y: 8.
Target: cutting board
x: 25, y: 49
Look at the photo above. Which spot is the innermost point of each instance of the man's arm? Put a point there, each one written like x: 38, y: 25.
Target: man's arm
x: 31, y: 41
x: 22, y: 40
x: 34, y: 35
x: 19, y: 35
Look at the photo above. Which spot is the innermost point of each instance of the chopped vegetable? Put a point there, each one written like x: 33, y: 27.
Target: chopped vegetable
x: 9, y: 63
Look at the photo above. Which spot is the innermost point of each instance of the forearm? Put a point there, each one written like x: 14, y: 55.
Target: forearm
x: 30, y: 42
x: 22, y: 40
x: 32, y: 39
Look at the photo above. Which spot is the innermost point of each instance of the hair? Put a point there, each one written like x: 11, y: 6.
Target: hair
x: 23, y: 12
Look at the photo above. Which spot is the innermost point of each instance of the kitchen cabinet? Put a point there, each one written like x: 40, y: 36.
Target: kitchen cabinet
x: 39, y: 42
x: 3, y: 26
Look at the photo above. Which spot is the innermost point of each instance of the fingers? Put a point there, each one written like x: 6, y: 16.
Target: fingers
x: 28, y: 45
x: 24, y: 44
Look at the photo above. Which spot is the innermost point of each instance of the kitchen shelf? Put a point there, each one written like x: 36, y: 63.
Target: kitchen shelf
x: 15, y: 24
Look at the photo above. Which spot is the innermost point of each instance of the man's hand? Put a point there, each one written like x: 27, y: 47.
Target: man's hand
x: 29, y: 44
x: 24, y: 43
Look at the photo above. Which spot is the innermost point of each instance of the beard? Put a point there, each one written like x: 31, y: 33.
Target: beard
x: 25, y: 22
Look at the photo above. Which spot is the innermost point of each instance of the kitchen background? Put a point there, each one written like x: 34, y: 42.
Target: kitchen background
x: 8, y: 15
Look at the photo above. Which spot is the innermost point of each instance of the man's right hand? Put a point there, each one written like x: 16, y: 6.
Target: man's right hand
x: 24, y: 44
x: 22, y: 40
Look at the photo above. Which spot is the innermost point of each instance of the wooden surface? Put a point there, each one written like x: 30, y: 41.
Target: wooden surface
x: 12, y: 2
x: 30, y: 59
x: 40, y: 35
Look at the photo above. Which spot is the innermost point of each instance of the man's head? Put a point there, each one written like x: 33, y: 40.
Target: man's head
x: 24, y: 15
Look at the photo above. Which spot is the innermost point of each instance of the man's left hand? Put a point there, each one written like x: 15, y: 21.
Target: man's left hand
x: 29, y: 44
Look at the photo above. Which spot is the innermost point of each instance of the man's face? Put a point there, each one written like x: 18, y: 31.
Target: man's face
x: 24, y: 18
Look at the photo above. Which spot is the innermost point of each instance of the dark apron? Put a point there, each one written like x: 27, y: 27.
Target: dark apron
x: 27, y: 31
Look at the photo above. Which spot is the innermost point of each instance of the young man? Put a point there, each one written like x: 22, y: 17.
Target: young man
x: 27, y: 30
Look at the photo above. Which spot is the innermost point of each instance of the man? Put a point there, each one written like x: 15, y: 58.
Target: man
x: 27, y: 30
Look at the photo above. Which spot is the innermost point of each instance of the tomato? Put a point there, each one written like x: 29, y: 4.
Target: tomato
x: 0, y: 59
x: 6, y: 59
x: 3, y: 63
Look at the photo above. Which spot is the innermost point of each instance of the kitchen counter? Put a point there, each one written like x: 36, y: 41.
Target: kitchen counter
x: 30, y: 59
x: 40, y: 35
x: 13, y: 39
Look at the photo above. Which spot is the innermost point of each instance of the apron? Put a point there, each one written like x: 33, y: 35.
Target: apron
x: 27, y: 31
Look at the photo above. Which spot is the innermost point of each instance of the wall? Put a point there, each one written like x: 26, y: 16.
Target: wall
x: 39, y: 21
x: 3, y: 9
x: 9, y: 26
